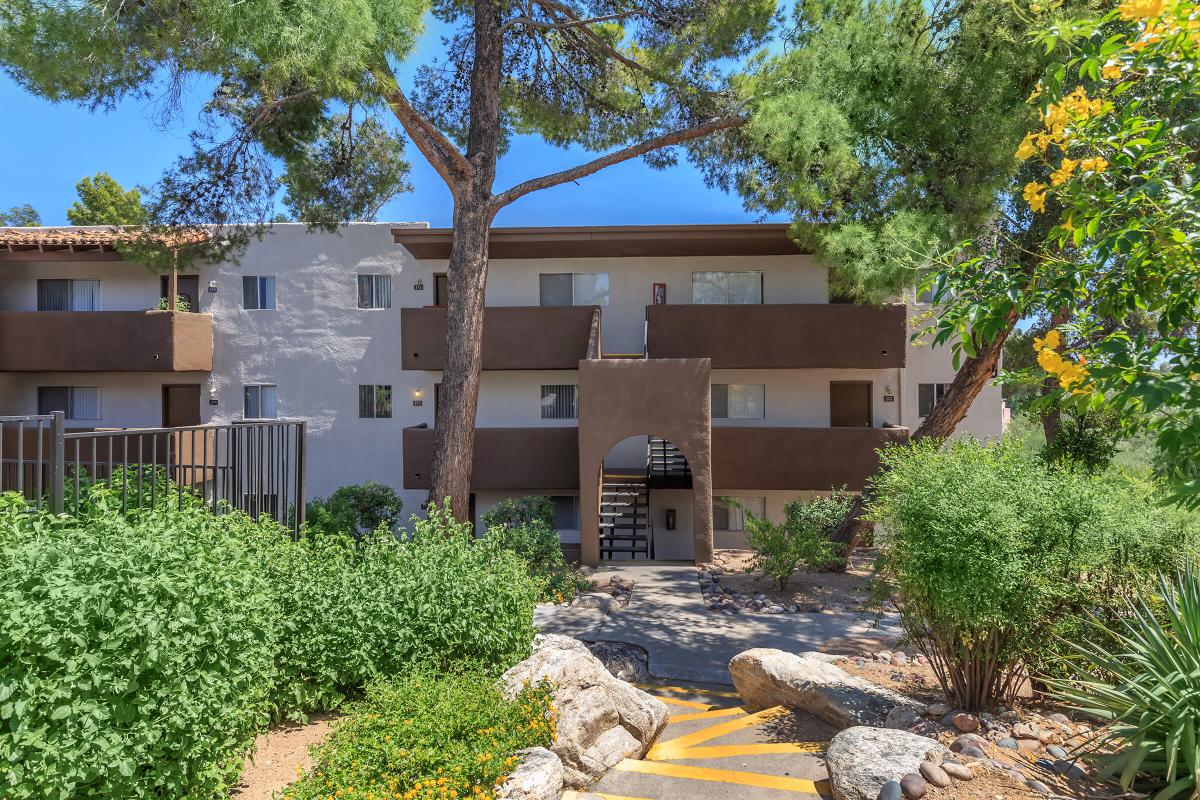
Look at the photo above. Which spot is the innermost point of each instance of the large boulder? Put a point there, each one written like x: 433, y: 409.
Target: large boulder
x: 601, y: 719
x: 807, y: 682
x: 862, y: 759
x: 539, y: 777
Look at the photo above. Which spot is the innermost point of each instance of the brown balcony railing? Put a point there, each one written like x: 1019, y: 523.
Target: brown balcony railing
x: 797, y: 458
x: 516, y: 337
x: 799, y: 336
x: 505, y: 458
x: 105, y: 341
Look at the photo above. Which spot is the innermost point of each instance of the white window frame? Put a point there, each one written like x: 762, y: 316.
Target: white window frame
x: 756, y: 506
x: 762, y: 289
x: 575, y: 276
x: 379, y: 280
x: 375, y: 392
x: 728, y: 388
x: 71, y: 410
x: 258, y: 292
x: 259, y: 386
x: 554, y: 409
x: 98, y: 305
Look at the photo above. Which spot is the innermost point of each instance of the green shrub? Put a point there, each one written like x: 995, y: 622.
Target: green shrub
x: 525, y: 527
x: 989, y: 551
x: 428, y: 734
x: 355, y: 510
x: 135, y: 660
x: 1151, y: 698
x: 1085, y: 440
x: 803, y: 540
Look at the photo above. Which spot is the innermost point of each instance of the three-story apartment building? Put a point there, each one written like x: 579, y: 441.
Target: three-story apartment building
x: 658, y: 382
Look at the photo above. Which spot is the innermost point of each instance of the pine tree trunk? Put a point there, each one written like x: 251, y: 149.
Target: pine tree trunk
x: 454, y: 428
x: 974, y: 374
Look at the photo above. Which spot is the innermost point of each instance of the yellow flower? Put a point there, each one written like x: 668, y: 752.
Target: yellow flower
x: 1035, y: 8
x: 1068, y: 224
x: 1140, y: 9
x: 1053, y: 340
x: 1096, y: 164
x: 1057, y: 117
x: 1035, y: 196
x: 1111, y: 72
x: 1028, y: 147
x: 1063, y: 173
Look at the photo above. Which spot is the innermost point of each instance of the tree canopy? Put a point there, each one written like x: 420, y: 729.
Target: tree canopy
x: 25, y: 216
x: 103, y: 201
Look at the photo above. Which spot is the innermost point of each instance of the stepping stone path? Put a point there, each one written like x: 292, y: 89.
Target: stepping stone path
x: 713, y: 748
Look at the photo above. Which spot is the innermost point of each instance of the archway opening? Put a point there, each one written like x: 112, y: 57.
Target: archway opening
x: 646, y: 501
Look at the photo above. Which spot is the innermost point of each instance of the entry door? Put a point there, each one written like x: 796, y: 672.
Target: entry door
x: 181, y: 405
x: 441, y: 288
x: 850, y: 404
x: 188, y: 286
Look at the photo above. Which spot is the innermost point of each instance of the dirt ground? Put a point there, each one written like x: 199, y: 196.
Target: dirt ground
x: 809, y: 591
x: 281, y: 755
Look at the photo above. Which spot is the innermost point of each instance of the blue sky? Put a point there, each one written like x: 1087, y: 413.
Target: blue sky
x: 47, y: 148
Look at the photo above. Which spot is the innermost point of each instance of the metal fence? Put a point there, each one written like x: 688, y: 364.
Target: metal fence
x: 257, y: 467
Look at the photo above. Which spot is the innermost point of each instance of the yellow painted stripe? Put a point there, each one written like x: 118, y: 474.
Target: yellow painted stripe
x: 733, y: 750
x: 714, y: 731
x: 724, y: 776
x: 653, y: 687
x: 720, y: 712
x: 674, y: 701
x: 573, y: 795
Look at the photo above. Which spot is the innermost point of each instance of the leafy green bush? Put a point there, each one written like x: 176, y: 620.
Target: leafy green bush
x: 428, y: 734
x: 1150, y: 696
x: 803, y: 540
x: 989, y: 551
x: 355, y: 510
x: 135, y: 660
x: 1085, y: 440
x: 525, y: 526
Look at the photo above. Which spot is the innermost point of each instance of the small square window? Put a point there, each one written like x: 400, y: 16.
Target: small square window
x: 57, y: 294
x: 258, y: 292
x: 738, y: 400
x: 76, y: 402
x: 558, y: 402
x: 374, y: 402
x: 566, y: 512
x: 729, y: 513
x: 573, y: 289
x: 261, y: 401
x: 727, y: 288
x: 374, y: 291
x: 928, y: 396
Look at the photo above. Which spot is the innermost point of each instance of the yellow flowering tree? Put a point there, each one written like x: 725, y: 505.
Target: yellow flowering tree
x: 1114, y: 166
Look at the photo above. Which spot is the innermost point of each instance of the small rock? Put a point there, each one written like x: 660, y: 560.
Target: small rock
x: 1008, y: 716
x: 1025, y: 730
x: 891, y: 791
x: 899, y: 660
x: 1056, y: 751
x: 938, y: 710
x: 920, y: 660
x: 913, y: 786
x: 1016, y: 775
x: 1038, y: 786
x: 901, y: 718
x: 934, y: 774
x: 967, y: 723
x: 1028, y: 745
x: 1045, y: 764
x: 967, y: 740
x: 971, y: 751
x: 1060, y: 718
x: 957, y: 771
x: 1008, y: 743
x: 883, y: 656
x: 1076, y: 773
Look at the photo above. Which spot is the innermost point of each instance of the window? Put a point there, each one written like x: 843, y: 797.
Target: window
x: 566, y: 512
x: 261, y: 401
x: 68, y: 295
x: 258, y: 292
x: 374, y: 291
x: 928, y: 396
x: 729, y: 517
x: 375, y: 402
x: 738, y: 400
x: 558, y: 402
x: 573, y: 289
x: 76, y: 402
x: 727, y: 288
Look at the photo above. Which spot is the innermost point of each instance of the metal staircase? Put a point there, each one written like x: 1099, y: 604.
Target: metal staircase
x: 625, y: 526
x: 666, y: 466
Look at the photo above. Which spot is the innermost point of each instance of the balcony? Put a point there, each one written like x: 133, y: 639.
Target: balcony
x: 505, y: 458
x: 105, y: 341
x: 800, y: 336
x: 518, y: 337
x: 797, y: 458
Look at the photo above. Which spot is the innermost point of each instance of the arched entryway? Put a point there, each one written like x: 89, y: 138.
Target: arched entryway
x: 632, y: 399
x: 646, y: 501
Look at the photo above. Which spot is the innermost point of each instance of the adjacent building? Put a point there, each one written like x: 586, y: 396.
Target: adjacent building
x: 658, y: 382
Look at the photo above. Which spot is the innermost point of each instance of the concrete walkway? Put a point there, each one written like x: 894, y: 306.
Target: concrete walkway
x: 714, y: 749
x: 686, y: 641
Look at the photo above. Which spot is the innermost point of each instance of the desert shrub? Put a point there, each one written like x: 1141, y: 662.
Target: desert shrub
x: 135, y: 660
x: 355, y: 510
x: 428, y: 734
x: 1149, y: 697
x: 525, y: 527
x: 989, y: 552
x: 802, y: 540
x: 1085, y: 440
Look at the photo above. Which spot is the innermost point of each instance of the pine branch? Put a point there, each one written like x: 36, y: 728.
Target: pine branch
x: 433, y: 144
x: 616, y: 157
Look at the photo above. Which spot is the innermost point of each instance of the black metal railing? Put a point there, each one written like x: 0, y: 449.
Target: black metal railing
x: 257, y: 467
